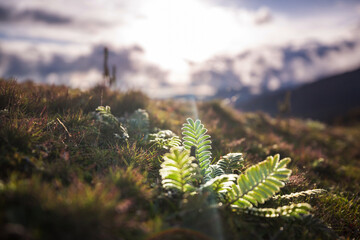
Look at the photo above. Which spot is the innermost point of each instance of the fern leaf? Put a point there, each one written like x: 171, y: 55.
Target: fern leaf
x: 106, y: 117
x: 221, y: 183
x: 259, y: 182
x: 301, y: 194
x: 215, y: 171
x: 194, y: 135
x: 231, y: 162
x: 110, y: 123
x: 293, y: 210
x: 177, y: 170
x: 139, y: 124
x: 165, y: 139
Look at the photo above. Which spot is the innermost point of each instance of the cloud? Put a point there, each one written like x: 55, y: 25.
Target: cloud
x: 5, y: 13
x: 263, y: 16
x: 292, y: 7
x: 271, y: 68
x: 86, y: 70
x: 42, y: 16
x: 8, y: 14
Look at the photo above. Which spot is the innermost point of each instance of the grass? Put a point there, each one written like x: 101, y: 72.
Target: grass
x: 63, y: 177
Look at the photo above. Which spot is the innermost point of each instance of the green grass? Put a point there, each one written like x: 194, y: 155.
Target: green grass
x: 63, y: 177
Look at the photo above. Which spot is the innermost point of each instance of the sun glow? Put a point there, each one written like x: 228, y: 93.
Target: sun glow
x: 174, y: 33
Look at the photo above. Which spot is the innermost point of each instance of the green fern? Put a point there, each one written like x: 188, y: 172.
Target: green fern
x: 220, y: 184
x: 106, y: 116
x: 109, y: 123
x: 139, y: 120
x: 194, y: 135
x: 301, y: 194
x: 260, y: 182
x: 231, y: 162
x: 215, y: 171
x: 226, y: 165
x: 165, y: 139
x: 293, y: 210
x: 139, y: 124
x: 177, y: 170
x: 242, y: 192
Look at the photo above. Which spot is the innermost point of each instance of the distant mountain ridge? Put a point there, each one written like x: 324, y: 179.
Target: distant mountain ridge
x: 324, y: 100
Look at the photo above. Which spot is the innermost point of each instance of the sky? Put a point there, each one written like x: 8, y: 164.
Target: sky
x: 175, y: 47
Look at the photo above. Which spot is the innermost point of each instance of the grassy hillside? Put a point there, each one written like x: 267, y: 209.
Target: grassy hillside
x: 68, y: 173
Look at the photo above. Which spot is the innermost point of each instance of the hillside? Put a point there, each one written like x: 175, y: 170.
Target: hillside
x: 71, y: 170
x: 329, y: 99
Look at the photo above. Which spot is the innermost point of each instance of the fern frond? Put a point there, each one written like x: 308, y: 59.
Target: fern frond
x: 220, y: 184
x: 177, y: 170
x: 293, y: 210
x: 215, y: 171
x: 231, y: 162
x: 106, y: 117
x: 110, y: 123
x: 259, y: 182
x: 165, y: 139
x: 300, y: 194
x: 139, y: 123
x: 194, y: 135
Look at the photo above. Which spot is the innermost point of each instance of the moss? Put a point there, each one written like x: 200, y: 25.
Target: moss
x: 345, y: 213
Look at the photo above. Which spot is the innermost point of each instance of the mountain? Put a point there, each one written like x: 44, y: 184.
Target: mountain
x: 326, y: 100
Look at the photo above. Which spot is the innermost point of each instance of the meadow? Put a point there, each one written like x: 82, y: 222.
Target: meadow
x: 71, y: 169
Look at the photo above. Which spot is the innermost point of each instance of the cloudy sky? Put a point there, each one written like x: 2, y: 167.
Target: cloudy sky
x: 180, y: 46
